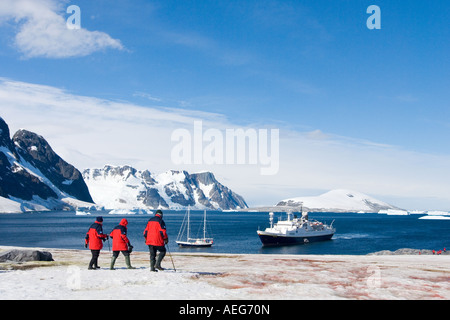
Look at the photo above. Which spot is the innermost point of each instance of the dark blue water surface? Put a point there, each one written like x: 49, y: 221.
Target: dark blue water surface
x: 232, y: 232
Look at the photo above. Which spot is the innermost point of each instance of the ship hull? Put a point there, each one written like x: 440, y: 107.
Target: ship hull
x: 280, y: 240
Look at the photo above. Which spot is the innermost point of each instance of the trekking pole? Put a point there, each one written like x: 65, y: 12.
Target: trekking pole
x: 170, y: 255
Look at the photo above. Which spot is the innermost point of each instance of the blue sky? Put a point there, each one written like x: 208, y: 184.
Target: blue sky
x: 310, y: 64
x: 305, y: 66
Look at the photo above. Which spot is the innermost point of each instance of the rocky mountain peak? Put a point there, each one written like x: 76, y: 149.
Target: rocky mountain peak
x: 129, y: 188
x: 38, y: 152
x: 5, y: 138
x: 32, y: 174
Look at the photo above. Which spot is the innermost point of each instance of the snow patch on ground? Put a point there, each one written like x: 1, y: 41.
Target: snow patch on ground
x: 228, y: 276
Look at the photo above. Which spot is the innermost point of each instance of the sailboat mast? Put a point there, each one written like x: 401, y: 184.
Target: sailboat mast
x: 188, y: 223
x: 204, y: 225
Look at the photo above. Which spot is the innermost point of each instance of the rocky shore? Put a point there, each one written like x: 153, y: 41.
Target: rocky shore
x: 408, y: 251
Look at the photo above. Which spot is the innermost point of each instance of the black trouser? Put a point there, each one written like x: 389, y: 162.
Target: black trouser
x: 116, y: 253
x: 94, y: 260
x: 153, y: 250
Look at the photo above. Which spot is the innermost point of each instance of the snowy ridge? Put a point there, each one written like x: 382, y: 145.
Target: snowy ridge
x: 339, y: 200
x: 124, y: 187
x: 34, y: 178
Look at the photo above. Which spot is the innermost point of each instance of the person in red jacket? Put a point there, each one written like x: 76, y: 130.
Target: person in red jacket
x: 121, y: 243
x: 94, y: 238
x: 156, y: 238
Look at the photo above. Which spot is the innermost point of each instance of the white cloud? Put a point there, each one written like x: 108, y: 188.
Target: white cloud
x: 42, y: 31
x: 147, y: 96
x: 90, y: 132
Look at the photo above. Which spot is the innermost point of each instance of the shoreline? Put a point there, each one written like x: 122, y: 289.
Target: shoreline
x: 401, y: 251
x: 211, y: 276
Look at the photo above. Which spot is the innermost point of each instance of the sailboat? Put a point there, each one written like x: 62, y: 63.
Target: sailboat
x: 193, y: 242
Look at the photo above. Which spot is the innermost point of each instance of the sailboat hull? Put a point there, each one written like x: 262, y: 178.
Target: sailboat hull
x: 195, y: 244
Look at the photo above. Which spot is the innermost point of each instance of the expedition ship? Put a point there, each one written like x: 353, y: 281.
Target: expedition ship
x: 295, y: 231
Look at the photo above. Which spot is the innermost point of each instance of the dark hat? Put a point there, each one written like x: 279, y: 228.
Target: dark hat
x: 159, y: 212
x: 99, y: 219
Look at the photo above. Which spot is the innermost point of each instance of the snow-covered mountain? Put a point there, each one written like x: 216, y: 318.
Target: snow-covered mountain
x: 124, y: 187
x: 33, y: 177
x: 339, y: 200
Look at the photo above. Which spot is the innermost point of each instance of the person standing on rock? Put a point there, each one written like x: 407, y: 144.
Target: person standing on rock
x: 94, y: 239
x: 121, y: 243
x: 156, y: 238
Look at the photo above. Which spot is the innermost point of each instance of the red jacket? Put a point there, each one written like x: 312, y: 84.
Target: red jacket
x: 95, y: 236
x: 155, y: 232
x: 119, y: 236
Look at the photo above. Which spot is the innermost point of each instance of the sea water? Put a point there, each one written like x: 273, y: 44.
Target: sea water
x: 356, y: 234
